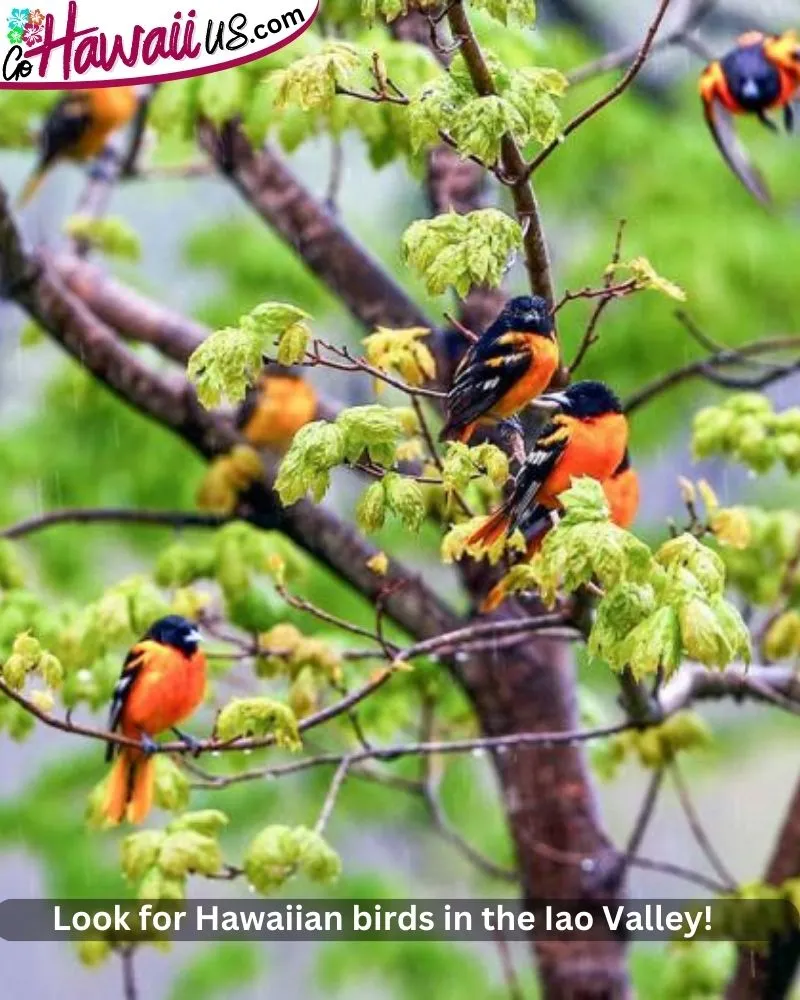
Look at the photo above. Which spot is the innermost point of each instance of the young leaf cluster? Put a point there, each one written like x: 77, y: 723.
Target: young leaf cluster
x: 747, y: 429
x: 229, y: 361
x: 657, y: 608
x: 158, y: 862
x: 653, y: 747
x: 462, y: 250
x: 359, y: 432
x: 278, y: 853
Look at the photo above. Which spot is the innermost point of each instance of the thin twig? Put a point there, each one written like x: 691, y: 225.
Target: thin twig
x: 395, y: 752
x: 707, y: 368
x: 115, y: 515
x: 696, y: 827
x: 606, y: 99
x: 129, y: 990
x: 645, y: 814
x: 333, y: 793
x: 623, y: 56
x: 507, y: 965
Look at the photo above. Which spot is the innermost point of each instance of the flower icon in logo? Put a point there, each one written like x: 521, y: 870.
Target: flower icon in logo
x: 17, y: 19
x: 33, y: 34
x: 35, y: 18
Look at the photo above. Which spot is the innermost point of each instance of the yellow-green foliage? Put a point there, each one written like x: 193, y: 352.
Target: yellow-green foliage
x: 746, y: 428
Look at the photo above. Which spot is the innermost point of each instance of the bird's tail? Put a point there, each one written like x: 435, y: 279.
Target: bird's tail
x: 129, y: 793
x: 499, y: 591
x: 493, y: 528
x: 453, y: 433
x: 31, y: 187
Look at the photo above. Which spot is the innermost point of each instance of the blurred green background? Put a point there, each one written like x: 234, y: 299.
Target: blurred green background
x: 64, y: 442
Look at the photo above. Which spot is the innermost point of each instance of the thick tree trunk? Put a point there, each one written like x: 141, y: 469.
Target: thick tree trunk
x: 770, y: 975
x: 562, y: 850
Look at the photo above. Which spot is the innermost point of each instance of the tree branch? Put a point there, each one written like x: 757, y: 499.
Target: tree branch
x: 37, y: 288
x: 759, y: 975
x: 113, y: 515
x: 537, y: 258
x: 608, y: 98
x: 326, y: 247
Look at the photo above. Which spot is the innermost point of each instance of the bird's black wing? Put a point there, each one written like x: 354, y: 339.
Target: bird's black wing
x: 487, y: 372
x: 122, y: 689
x: 720, y: 124
x: 535, y: 470
x: 65, y: 125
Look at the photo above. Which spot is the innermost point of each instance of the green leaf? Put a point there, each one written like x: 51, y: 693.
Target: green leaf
x: 373, y: 429
x: 171, y: 785
x: 278, y: 852
x: 314, y: 451
x: 173, y: 110
x: 647, y: 277
x: 462, y: 250
x: 401, y: 351
x: 185, y: 852
x: 405, y: 499
x: 225, y: 364
x: 221, y: 96
x: 109, y: 235
x: 733, y: 627
x: 271, y: 858
x: 689, y: 553
x: 531, y: 93
x: 585, y: 501
x: 702, y: 634
x: 371, y: 509
x: 482, y: 122
x: 11, y: 575
x: 207, y: 821
x: 258, y: 717
x: 654, y: 643
x: 140, y: 852
x: 228, y: 361
x: 522, y: 11
x: 310, y: 82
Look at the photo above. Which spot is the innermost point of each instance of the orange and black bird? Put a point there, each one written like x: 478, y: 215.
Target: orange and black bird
x: 78, y: 128
x: 622, y: 493
x: 163, y: 681
x: 587, y: 437
x: 275, y: 409
x: 509, y: 365
x: 761, y: 74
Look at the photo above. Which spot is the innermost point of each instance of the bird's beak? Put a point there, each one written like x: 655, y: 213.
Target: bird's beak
x: 194, y: 636
x: 550, y: 402
x: 750, y: 90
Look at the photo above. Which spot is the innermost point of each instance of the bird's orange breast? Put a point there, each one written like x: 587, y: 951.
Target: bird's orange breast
x: 542, y: 367
x: 622, y: 493
x: 595, y: 449
x: 284, y: 405
x: 110, y: 109
x: 168, y: 689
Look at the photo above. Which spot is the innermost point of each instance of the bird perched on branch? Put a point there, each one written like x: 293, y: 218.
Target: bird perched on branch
x: 275, y: 410
x: 587, y: 437
x: 761, y: 74
x: 622, y: 494
x: 507, y: 367
x: 78, y: 128
x: 162, y: 682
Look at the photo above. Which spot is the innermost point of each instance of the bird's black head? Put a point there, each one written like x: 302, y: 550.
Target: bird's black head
x: 752, y: 79
x: 527, y: 314
x: 584, y: 400
x: 175, y: 631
